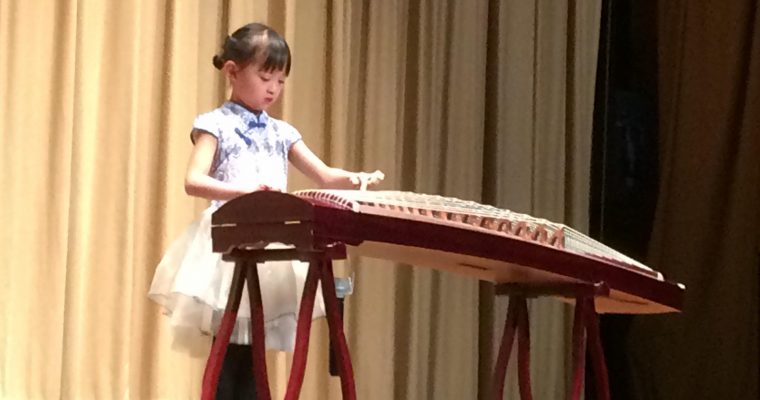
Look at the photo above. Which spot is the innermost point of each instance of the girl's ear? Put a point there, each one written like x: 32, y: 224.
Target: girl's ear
x: 230, y: 69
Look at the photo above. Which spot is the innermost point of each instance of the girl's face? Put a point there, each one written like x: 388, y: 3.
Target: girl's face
x: 253, y: 87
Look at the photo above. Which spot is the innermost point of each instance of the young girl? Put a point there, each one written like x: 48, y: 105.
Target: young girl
x: 238, y: 149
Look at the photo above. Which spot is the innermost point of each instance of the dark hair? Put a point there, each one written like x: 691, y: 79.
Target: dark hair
x: 255, y: 43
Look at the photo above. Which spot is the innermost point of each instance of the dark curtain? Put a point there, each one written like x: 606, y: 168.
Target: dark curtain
x: 706, y: 231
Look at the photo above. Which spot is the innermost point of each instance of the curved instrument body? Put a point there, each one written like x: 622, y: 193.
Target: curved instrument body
x: 447, y: 234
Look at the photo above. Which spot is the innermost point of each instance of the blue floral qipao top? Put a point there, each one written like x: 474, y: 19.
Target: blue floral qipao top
x: 251, y: 149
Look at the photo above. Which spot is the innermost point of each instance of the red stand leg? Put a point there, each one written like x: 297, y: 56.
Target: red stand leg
x: 219, y: 348
x: 257, y: 334
x: 302, y: 333
x: 505, y: 350
x: 597, y: 352
x: 335, y: 325
x: 517, y: 320
x: 579, y: 348
x: 523, y: 349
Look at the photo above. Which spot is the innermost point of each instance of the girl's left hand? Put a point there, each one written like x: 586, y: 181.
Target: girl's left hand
x: 367, y: 179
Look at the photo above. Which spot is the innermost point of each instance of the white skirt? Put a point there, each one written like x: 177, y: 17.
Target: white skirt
x: 192, y: 284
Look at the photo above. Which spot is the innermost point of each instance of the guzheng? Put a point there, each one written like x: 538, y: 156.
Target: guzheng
x: 449, y: 234
x: 523, y: 255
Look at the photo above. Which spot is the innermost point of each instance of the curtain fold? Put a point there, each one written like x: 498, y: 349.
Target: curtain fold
x: 484, y: 100
x: 706, y: 230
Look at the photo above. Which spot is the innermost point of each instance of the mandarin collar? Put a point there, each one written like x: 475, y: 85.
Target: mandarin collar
x: 250, y: 118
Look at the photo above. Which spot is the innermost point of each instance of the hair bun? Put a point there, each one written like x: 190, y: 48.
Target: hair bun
x: 218, y: 62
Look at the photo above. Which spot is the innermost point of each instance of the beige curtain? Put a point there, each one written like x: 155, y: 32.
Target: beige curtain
x: 483, y: 100
x: 707, y: 227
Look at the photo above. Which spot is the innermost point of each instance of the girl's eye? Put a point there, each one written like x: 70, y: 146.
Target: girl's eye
x: 282, y: 81
x: 265, y: 78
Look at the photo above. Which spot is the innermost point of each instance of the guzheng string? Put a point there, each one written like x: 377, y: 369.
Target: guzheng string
x: 467, y: 211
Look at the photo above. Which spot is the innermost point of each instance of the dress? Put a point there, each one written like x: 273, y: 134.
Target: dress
x: 191, y: 282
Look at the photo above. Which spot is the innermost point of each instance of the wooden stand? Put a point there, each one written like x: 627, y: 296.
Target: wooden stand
x: 585, y: 330
x: 320, y: 268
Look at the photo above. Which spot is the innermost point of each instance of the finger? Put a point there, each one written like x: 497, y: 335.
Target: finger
x: 376, y: 177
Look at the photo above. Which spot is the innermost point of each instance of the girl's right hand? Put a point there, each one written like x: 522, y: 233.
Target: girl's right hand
x: 268, y: 188
x: 367, y: 179
x: 258, y: 188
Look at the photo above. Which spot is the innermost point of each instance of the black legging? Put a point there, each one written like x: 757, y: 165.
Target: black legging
x: 236, y: 380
